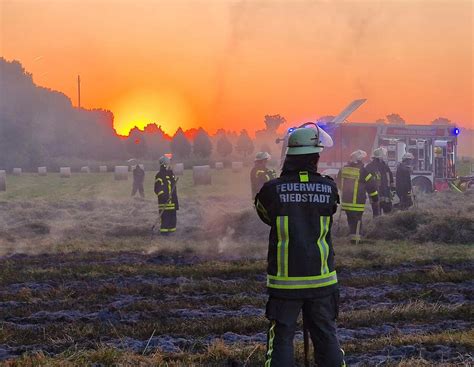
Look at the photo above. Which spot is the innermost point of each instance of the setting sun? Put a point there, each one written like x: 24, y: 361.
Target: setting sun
x: 142, y: 107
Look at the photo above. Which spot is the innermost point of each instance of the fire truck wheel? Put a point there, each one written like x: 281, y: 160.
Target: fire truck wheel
x: 422, y: 184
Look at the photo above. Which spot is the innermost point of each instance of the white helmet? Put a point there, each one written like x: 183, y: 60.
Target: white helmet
x: 358, y: 155
x: 164, y: 161
x: 408, y: 156
x: 379, y: 153
x: 262, y: 156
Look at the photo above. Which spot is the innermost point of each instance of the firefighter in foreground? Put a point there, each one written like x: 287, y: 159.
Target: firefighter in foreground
x: 384, y: 180
x: 260, y: 173
x: 356, y: 181
x: 298, y: 206
x: 165, y: 189
x: 138, y: 180
x: 403, y: 182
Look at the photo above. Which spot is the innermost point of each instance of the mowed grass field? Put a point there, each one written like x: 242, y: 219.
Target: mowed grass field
x: 83, y: 282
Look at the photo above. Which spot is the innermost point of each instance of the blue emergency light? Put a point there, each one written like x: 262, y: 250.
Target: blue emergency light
x: 291, y: 129
x: 456, y: 131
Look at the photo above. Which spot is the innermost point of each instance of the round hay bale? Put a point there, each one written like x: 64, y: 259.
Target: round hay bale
x: 202, y: 175
x: 219, y: 165
x: 178, y: 169
x: 85, y: 169
x: 237, y: 166
x: 65, y: 172
x: 102, y: 169
x: 42, y: 171
x: 121, y: 173
x: 16, y: 171
x: 3, y: 180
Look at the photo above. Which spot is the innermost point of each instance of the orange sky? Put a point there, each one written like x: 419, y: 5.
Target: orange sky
x: 212, y: 63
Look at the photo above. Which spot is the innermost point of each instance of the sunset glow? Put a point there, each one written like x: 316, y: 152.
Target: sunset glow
x: 228, y: 63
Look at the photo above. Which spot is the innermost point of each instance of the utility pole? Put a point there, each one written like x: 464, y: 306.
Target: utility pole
x: 79, y: 91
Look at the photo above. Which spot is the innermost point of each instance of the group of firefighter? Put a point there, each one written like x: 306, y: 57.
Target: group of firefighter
x: 356, y: 181
x: 299, y: 207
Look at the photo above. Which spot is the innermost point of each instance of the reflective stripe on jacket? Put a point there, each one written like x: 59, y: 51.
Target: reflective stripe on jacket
x: 299, y: 207
x: 356, y: 181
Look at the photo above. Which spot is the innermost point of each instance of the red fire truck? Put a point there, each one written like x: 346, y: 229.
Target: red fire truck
x: 433, y: 146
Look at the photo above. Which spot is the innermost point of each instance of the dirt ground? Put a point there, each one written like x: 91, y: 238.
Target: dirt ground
x: 83, y: 281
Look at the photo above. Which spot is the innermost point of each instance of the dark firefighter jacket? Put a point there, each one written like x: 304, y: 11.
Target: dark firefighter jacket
x: 403, y: 179
x: 356, y: 181
x: 258, y: 176
x: 383, y: 176
x: 298, y: 206
x: 138, y: 175
x: 165, y: 188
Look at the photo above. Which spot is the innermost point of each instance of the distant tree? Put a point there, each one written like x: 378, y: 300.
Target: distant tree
x: 441, y: 121
x: 180, y: 145
x: 136, y: 144
x: 244, y: 144
x: 273, y: 122
x: 395, y: 119
x: 202, y: 146
x: 380, y: 121
x: 224, y: 146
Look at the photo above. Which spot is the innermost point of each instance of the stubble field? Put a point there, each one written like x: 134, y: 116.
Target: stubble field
x: 82, y: 281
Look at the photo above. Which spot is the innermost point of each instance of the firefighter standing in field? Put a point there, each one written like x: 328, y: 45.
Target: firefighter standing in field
x: 384, y: 179
x: 356, y: 181
x: 403, y: 181
x: 165, y: 189
x: 298, y: 206
x: 260, y: 173
x: 138, y: 180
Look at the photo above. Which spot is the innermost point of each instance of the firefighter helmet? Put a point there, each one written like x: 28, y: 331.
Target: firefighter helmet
x: 407, y: 156
x: 164, y: 161
x: 379, y: 153
x: 358, y: 155
x: 308, y: 140
x: 262, y: 156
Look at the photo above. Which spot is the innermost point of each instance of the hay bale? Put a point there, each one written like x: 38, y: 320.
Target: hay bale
x: 219, y: 165
x: 102, y: 169
x: 42, y: 171
x: 178, y: 169
x: 16, y: 171
x: 65, y: 172
x: 121, y: 173
x: 85, y: 169
x: 3, y: 180
x: 237, y: 166
x: 202, y: 175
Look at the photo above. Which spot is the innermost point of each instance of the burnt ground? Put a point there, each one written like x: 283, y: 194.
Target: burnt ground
x: 170, y: 304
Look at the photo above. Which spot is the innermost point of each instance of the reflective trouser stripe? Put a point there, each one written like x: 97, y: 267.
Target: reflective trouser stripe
x: 374, y: 193
x: 301, y: 282
x: 282, y: 246
x: 271, y: 337
x: 353, y: 207
x: 166, y: 206
x: 168, y: 230
x: 322, y: 244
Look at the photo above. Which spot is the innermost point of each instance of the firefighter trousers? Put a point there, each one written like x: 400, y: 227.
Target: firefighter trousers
x: 320, y: 316
x: 168, y: 221
x: 138, y: 186
x: 405, y: 200
x: 353, y: 217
